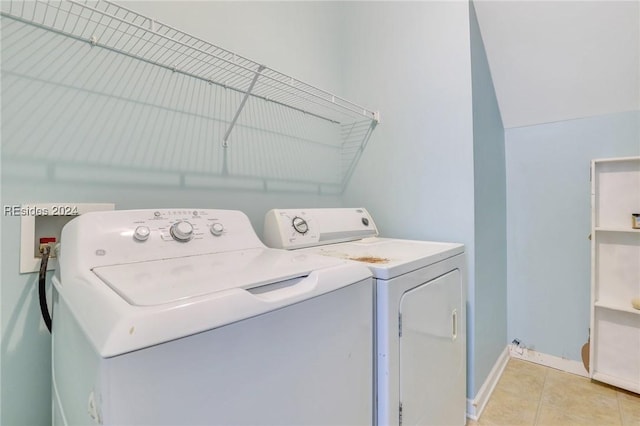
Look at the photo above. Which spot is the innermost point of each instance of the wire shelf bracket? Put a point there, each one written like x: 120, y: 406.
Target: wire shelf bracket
x: 242, y: 104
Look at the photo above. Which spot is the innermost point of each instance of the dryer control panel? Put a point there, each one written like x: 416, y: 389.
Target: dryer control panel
x: 123, y: 236
x: 298, y: 228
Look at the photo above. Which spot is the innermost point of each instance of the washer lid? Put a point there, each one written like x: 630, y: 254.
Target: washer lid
x: 163, y: 281
x: 388, y: 257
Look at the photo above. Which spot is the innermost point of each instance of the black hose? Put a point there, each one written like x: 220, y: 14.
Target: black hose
x: 42, y: 291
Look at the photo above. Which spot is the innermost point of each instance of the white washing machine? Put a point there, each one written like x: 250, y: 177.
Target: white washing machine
x: 183, y: 316
x: 420, y: 309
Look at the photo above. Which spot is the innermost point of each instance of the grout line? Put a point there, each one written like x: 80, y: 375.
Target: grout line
x: 619, y: 407
x: 544, y: 384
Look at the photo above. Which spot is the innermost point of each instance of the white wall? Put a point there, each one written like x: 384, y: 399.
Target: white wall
x: 300, y: 39
x: 412, y: 60
x: 548, y: 224
x: 559, y: 60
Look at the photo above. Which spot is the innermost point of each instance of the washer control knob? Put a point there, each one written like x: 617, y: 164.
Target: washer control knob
x: 300, y: 225
x: 217, y: 229
x: 181, y: 231
x: 141, y: 233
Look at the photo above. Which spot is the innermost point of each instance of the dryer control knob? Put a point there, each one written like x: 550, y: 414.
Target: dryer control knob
x: 142, y: 233
x: 181, y: 231
x: 217, y: 229
x: 300, y: 225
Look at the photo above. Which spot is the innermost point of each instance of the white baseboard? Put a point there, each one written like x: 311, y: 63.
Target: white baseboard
x: 476, y: 406
x: 563, y: 364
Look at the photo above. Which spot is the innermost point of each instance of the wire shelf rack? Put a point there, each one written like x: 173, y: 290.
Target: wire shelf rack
x: 122, y: 31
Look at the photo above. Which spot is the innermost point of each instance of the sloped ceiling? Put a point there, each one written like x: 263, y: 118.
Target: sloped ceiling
x: 560, y: 60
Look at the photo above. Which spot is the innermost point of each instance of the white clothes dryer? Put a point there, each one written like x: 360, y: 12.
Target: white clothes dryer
x: 420, y: 309
x: 183, y: 316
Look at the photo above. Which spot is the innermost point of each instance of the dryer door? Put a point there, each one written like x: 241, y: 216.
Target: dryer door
x: 432, y: 348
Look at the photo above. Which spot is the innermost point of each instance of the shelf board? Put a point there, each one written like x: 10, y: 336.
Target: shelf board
x: 616, y: 229
x: 614, y: 160
x: 619, y: 307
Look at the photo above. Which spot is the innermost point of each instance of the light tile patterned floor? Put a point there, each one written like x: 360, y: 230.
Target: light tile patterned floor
x: 531, y: 394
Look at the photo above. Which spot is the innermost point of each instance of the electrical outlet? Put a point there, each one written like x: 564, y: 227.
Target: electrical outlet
x: 517, y: 347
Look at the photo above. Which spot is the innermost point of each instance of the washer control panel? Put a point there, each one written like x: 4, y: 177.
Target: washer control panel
x: 137, y: 235
x: 181, y: 226
x: 298, y: 228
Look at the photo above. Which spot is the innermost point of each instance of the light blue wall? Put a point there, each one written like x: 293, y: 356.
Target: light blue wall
x: 413, y: 60
x: 548, y: 224
x: 67, y: 107
x: 490, y: 291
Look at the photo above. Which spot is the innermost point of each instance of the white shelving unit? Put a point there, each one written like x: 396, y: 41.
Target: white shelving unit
x: 615, y: 272
x: 102, y: 24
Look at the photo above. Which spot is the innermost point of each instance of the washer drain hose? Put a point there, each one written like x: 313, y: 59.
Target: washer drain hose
x: 42, y: 291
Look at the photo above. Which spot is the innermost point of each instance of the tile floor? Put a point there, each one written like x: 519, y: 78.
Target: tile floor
x: 531, y: 394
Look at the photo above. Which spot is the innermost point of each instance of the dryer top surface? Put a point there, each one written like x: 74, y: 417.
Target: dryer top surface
x: 390, y: 257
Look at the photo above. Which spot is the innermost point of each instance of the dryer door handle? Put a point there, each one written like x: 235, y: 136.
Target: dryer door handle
x: 454, y: 324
